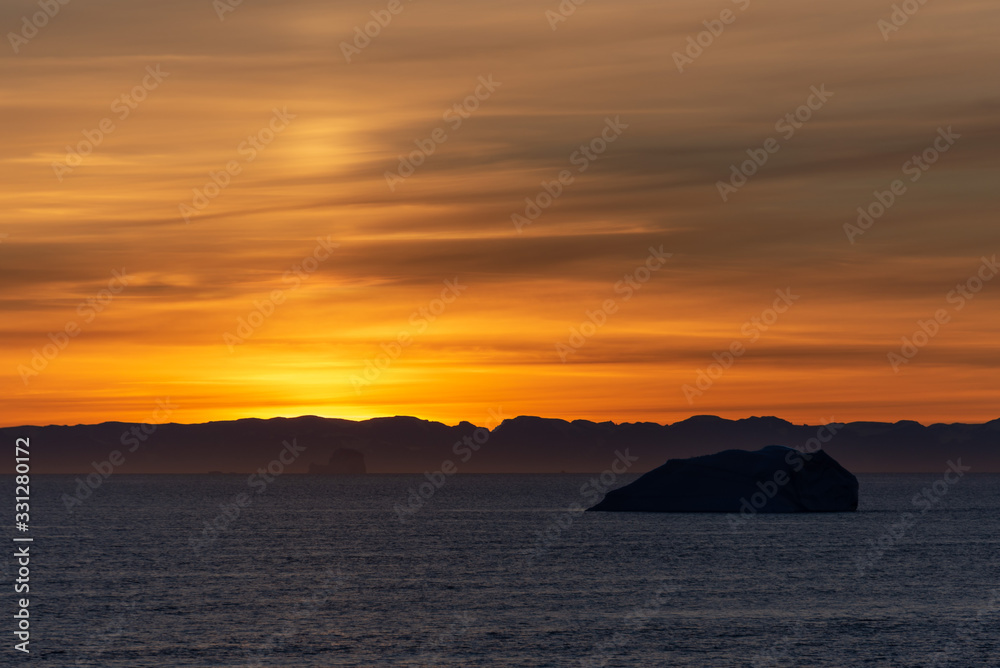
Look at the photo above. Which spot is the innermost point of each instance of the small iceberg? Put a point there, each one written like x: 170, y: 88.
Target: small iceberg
x: 774, y: 479
x: 343, y: 461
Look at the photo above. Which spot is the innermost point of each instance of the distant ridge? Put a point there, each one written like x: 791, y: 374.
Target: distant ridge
x: 523, y: 444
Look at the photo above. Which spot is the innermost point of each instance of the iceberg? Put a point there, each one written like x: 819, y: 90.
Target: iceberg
x: 342, y: 461
x: 774, y: 479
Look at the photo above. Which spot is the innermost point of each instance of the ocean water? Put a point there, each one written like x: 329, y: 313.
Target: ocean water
x: 493, y: 570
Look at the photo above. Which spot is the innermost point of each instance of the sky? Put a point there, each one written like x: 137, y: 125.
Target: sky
x: 256, y: 210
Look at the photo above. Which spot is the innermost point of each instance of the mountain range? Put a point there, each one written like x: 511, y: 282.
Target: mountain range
x: 522, y: 444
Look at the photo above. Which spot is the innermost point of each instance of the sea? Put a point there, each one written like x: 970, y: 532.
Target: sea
x: 498, y: 570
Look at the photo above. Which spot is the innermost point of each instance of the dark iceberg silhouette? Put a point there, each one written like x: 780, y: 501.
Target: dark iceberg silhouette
x: 342, y: 461
x: 774, y: 479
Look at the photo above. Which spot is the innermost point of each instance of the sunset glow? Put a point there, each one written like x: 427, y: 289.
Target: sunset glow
x: 280, y: 252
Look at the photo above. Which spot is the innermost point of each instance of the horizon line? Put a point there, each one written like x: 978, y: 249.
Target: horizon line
x: 561, y: 419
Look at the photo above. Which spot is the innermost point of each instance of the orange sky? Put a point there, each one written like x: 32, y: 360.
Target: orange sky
x: 321, y: 174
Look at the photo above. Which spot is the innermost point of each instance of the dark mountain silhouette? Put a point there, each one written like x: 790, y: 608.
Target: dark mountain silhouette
x: 518, y: 445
